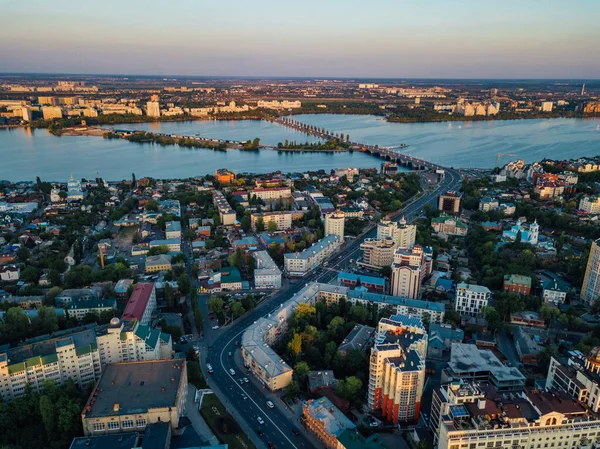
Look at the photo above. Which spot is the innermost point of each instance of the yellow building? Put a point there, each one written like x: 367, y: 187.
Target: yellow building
x: 51, y: 112
x: 161, y: 262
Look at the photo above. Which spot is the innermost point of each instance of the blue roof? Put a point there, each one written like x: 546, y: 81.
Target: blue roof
x: 446, y: 284
x: 397, y: 301
x: 269, y: 239
x: 246, y: 241
x: 366, y: 279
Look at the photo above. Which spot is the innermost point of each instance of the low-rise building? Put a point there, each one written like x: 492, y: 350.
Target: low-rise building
x: 131, y: 396
x: 231, y: 279
x: 370, y: 283
x: 517, y: 283
x: 529, y: 318
x: 487, y: 203
x: 79, y: 309
x: 282, y: 219
x: 554, y: 291
x: 173, y: 230
x: 9, y: 273
x: 141, y: 304
x: 441, y: 337
x: 266, y: 273
x: 360, y: 339
x: 449, y: 225
x: 160, y: 262
x: 299, y: 264
x: 174, y: 244
x: 471, y: 299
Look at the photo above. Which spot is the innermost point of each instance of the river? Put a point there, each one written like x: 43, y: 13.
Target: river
x: 25, y: 154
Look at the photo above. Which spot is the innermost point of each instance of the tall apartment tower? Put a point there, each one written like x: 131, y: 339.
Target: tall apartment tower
x: 408, y: 271
x: 334, y: 223
x: 590, y: 290
x: 397, y: 368
x: 449, y: 202
x: 401, y: 233
x: 153, y: 107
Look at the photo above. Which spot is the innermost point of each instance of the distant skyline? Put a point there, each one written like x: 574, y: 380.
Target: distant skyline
x: 331, y: 38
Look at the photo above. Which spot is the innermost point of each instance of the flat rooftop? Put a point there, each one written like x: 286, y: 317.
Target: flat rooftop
x: 119, y: 441
x: 136, y: 387
x: 468, y: 358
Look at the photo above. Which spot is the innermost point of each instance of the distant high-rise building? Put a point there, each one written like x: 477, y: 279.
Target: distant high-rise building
x: 401, y: 233
x: 26, y: 113
x: 50, y: 112
x: 153, y: 108
x: 547, y: 106
x: 590, y: 290
x: 334, y: 223
x: 408, y: 271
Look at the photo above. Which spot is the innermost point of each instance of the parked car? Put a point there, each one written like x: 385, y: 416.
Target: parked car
x: 246, y: 380
x: 270, y: 404
x: 244, y: 397
x: 215, y: 327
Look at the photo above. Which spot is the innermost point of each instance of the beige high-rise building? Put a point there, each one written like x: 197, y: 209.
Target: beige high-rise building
x: 51, y: 112
x: 402, y: 233
x: 153, y: 109
x: 590, y: 290
x: 377, y: 253
x: 397, y: 368
x: 408, y: 271
x: 26, y: 113
x: 334, y: 223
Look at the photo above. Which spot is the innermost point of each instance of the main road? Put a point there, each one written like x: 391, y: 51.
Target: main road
x: 278, y: 426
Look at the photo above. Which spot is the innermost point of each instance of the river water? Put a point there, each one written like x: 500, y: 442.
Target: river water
x: 25, y: 154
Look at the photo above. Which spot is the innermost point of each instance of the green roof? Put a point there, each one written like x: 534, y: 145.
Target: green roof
x: 165, y: 337
x: 150, y: 336
x: 351, y: 439
x: 34, y: 361
x: 50, y: 358
x: 83, y: 350
x: 233, y: 276
x: 16, y: 368
x: 444, y: 218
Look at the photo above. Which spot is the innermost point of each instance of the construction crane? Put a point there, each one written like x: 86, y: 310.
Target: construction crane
x: 502, y: 155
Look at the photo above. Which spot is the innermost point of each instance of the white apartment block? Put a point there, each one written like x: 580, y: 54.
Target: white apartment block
x: 51, y: 112
x: 471, y: 299
x: 79, y: 309
x: 270, y: 193
x: 173, y: 230
x: 409, y: 269
x: 590, y: 204
x: 153, y: 109
x: 283, y: 104
x: 298, y: 264
x: 400, y: 232
x: 226, y: 214
x: 334, y: 223
x: 80, y: 356
x: 266, y: 274
x: 283, y: 219
x: 377, y: 253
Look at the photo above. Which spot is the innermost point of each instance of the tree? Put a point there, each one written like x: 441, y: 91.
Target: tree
x: 493, y: 318
x: 301, y: 371
x: 292, y: 389
x: 23, y: 254
x: 156, y: 250
x: 184, y: 284
x: 52, y: 294
x: 296, y: 344
x: 169, y: 296
x: 272, y: 226
x: 30, y: 274
x: 260, y: 225
x: 48, y: 414
x: 152, y: 206
x: 237, y: 309
x: 16, y: 323
x: 452, y: 317
x: 246, y: 223
x: 216, y: 304
x: 350, y: 388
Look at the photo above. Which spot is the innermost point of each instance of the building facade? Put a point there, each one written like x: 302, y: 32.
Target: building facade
x: 450, y: 203
x: 590, y: 289
x: 517, y: 283
x: 298, y: 264
x: 141, y: 304
x: 377, y: 253
x: 408, y: 271
x: 282, y: 219
x: 266, y: 273
x: 471, y: 299
x: 401, y: 233
x: 334, y: 223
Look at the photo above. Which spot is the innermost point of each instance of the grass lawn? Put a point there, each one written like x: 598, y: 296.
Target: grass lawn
x: 222, y: 423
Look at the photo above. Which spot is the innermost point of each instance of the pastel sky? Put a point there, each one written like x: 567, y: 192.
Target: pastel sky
x: 312, y: 38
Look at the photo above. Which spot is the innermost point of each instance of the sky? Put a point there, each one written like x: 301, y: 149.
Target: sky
x: 308, y: 38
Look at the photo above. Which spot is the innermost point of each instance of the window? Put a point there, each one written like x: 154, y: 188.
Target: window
x: 113, y: 425
x: 98, y: 426
x: 140, y: 423
x: 127, y: 424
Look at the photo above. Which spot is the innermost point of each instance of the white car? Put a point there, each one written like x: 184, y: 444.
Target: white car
x: 270, y: 404
x: 232, y: 371
x: 260, y: 420
x: 215, y: 327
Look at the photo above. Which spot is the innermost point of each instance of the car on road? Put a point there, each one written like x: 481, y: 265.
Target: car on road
x: 270, y: 404
x: 295, y: 432
x: 260, y: 433
x: 229, y: 354
x: 241, y: 381
x: 209, y: 368
x: 246, y: 380
x: 244, y: 397
x: 260, y: 420
x: 232, y: 371
x: 270, y: 445
x: 215, y: 327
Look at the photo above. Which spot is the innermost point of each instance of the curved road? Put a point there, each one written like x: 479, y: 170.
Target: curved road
x: 278, y: 425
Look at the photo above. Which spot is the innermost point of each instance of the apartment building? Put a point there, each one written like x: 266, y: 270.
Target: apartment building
x: 160, y: 262
x: 397, y: 368
x: 79, y: 309
x: 52, y: 112
x: 270, y: 193
x: 471, y: 299
x: 450, y: 203
x: 141, y: 304
x: 173, y: 244
x: 298, y: 264
x: 590, y: 289
x: 153, y: 109
x: 173, y: 230
x: 334, y: 223
x: 266, y: 273
x: 78, y: 354
x: 130, y: 396
x: 224, y: 176
x: 282, y: 219
x: 283, y: 104
x: 377, y: 253
x: 487, y: 203
x: 401, y: 233
x: 517, y: 283
x: 590, y: 204
x: 409, y: 269
x: 226, y: 213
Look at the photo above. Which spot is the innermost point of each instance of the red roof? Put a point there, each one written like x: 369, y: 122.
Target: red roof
x: 136, y: 306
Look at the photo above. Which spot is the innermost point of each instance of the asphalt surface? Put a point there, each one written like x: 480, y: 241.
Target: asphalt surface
x: 277, y: 425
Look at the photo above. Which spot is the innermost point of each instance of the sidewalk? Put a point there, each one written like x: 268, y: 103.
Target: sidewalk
x: 195, y: 417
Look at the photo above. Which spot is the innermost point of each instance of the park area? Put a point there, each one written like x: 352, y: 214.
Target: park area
x: 222, y: 423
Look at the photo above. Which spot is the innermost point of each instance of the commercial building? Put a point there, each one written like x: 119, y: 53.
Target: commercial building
x: 266, y: 273
x: 226, y: 213
x: 141, y: 304
x: 174, y: 244
x: 334, y: 223
x: 153, y: 109
x: 173, y: 230
x: 258, y: 338
x: 397, y: 368
x: 377, y: 253
x: 590, y: 289
x: 282, y: 219
x: 471, y: 299
x: 298, y: 264
x: 529, y: 318
x: 160, y: 262
x: 450, y: 203
x: 131, y: 396
x: 409, y: 269
x: 590, y: 204
x: 270, y: 193
x: 78, y: 354
x: 449, y: 225
x: 401, y: 233
x: 79, y: 309
x: 468, y: 362
x: 517, y: 283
